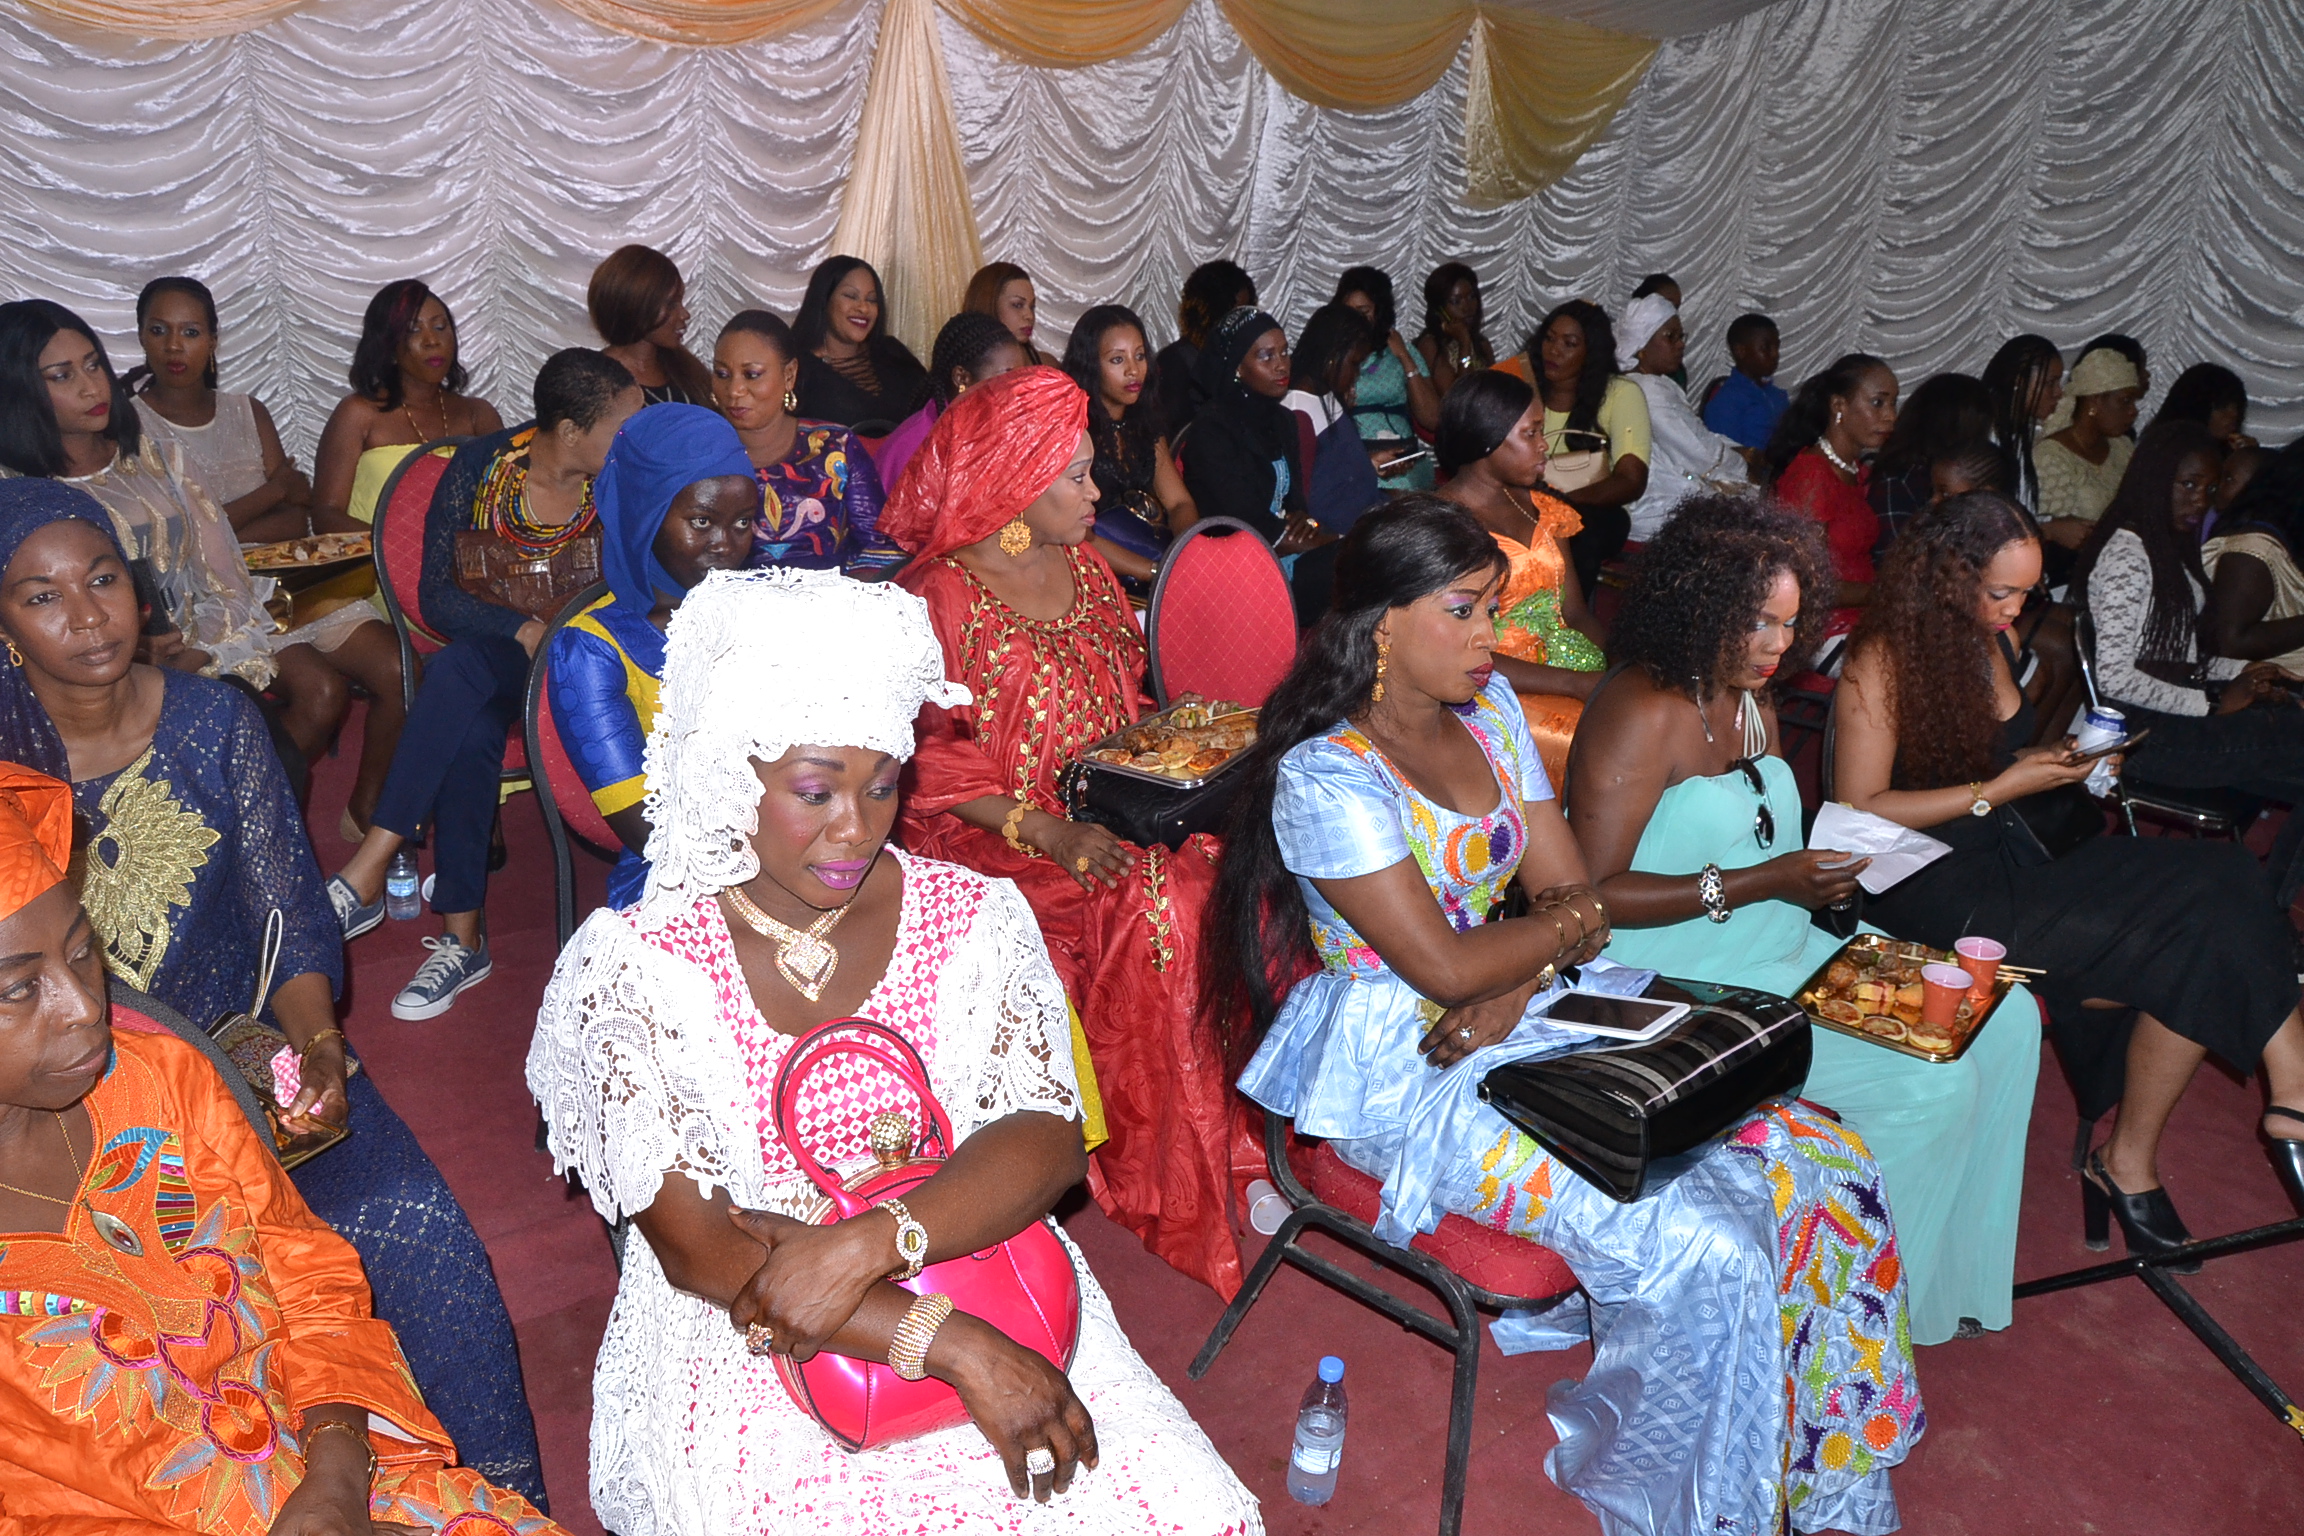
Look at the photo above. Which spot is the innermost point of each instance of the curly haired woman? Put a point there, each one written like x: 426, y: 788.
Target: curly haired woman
x: 2183, y: 937
x: 1679, y: 793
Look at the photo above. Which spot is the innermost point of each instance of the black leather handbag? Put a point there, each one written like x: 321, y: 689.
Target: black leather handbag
x: 1140, y: 812
x: 1621, y: 1116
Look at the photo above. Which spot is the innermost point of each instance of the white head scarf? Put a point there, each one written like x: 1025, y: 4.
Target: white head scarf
x: 754, y: 662
x: 1642, y: 320
x: 2099, y: 373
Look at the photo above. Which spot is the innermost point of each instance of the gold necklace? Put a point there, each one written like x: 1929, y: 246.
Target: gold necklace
x: 408, y: 409
x: 108, y: 1226
x: 18, y: 1189
x: 805, y: 959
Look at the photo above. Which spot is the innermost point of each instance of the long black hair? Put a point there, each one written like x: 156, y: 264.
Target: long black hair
x: 1810, y: 412
x: 1259, y: 935
x: 1437, y: 284
x: 1213, y: 290
x: 1330, y: 337
x: 2200, y: 391
x: 1377, y: 284
x: 2016, y: 379
x: 30, y: 443
x: 2142, y: 506
x: 1478, y: 414
x: 1599, y: 359
x: 1130, y: 441
x: 159, y: 288
x: 1939, y: 419
x: 375, y: 371
x: 813, y: 321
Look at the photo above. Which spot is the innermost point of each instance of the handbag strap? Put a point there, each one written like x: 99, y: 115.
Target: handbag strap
x: 852, y: 1037
x: 275, y: 931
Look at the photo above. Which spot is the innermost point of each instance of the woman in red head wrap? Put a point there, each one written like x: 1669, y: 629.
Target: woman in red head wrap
x: 995, y: 510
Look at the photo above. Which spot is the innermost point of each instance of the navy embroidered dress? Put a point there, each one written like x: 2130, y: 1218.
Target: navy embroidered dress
x: 189, y: 848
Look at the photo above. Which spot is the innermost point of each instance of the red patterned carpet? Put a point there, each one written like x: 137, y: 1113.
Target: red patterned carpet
x: 2096, y: 1413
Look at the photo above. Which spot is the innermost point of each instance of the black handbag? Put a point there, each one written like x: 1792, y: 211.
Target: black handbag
x: 1140, y: 812
x: 1621, y: 1115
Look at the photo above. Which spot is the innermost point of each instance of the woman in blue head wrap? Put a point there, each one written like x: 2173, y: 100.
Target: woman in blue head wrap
x: 192, y: 840
x: 676, y: 499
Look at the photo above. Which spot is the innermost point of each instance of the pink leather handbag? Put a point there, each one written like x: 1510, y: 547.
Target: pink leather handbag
x: 1025, y: 1287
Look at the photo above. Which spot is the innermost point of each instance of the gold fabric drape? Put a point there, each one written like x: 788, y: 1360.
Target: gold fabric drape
x: 1067, y: 34
x: 1542, y: 90
x: 705, y: 23
x: 907, y: 209
x: 1352, y: 55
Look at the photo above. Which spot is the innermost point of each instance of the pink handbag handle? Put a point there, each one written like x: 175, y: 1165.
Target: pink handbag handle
x: 824, y: 1043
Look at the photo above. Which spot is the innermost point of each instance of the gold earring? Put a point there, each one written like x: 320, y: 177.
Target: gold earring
x: 1016, y: 537
x: 15, y: 656
x: 791, y: 403
x: 1383, y: 659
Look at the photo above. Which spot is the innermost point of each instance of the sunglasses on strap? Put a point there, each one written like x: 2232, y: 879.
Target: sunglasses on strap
x: 1763, y: 819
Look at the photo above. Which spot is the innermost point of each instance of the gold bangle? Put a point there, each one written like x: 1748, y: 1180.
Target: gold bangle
x: 350, y: 1428
x: 1012, y: 823
x: 316, y: 1039
x: 908, y: 1345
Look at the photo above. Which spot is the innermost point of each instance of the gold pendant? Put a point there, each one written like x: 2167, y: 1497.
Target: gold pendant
x: 807, y: 963
x: 115, y: 1231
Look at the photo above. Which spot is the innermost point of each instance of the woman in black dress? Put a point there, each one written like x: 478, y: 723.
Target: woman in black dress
x: 2179, y: 938
x: 1141, y: 503
x: 851, y: 370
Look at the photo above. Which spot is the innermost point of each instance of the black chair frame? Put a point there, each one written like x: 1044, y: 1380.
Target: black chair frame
x: 1459, y: 1332
x: 2222, y: 813
x: 1227, y: 525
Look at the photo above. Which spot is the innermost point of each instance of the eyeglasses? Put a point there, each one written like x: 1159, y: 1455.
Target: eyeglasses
x: 1764, y: 819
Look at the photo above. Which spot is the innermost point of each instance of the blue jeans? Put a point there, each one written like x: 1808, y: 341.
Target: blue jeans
x: 451, y: 756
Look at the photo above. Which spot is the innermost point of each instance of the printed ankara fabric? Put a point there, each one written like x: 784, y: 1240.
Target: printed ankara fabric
x: 652, y: 1062
x: 189, y: 849
x: 1530, y: 626
x: 607, y: 668
x: 821, y: 504
x: 1129, y: 957
x: 164, y: 1390
x: 1749, y: 1348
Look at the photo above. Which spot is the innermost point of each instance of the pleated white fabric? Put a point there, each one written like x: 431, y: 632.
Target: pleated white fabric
x: 1919, y: 179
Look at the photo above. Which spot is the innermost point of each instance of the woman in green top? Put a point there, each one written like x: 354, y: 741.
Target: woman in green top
x: 1687, y: 814
x: 1395, y: 398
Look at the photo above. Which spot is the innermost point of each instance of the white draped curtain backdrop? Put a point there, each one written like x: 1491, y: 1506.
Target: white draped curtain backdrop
x: 1919, y: 179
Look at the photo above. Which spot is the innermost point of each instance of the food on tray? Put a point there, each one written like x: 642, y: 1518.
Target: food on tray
x: 1886, y: 1027
x: 1189, y: 740
x: 1930, y: 1037
x: 1840, y: 1012
x: 320, y: 549
x: 1873, y: 988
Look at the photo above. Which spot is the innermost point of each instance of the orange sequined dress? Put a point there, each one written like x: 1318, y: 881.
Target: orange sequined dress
x: 1531, y: 628
x: 1129, y: 957
x: 158, y: 1383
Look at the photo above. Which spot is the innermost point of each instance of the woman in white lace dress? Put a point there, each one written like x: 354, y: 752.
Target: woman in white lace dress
x: 785, y: 717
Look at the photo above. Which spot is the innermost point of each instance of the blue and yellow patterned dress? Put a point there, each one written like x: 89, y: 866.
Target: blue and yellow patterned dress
x: 1749, y: 1345
x: 605, y: 668
x: 189, y: 848
x: 820, y: 506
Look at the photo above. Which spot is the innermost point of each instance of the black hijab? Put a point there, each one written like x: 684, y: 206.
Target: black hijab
x: 1267, y: 423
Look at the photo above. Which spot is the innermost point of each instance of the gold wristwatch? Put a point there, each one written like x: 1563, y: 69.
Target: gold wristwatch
x: 1977, y: 804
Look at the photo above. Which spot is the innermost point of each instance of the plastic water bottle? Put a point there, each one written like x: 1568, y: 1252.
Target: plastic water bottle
x: 1319, y: 1436
x: 400, y: 901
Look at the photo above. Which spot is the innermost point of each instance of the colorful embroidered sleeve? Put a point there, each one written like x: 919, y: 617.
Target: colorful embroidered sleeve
x: 1519, y: 746
x: 853, y: 469
x: 593, y: 689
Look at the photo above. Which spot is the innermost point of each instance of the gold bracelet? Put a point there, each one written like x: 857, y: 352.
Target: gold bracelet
x: 316, y: 1039
x: 350, y: 1428
x: 908, y: 1345
x: 1012, y: 823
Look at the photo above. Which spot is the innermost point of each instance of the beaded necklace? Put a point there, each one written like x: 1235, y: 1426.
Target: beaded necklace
x: 501, y: 507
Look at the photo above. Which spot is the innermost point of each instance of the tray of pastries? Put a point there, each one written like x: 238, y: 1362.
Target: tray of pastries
x: 306, y: 554
x: 1871, y: 989
x: 1182, y: 747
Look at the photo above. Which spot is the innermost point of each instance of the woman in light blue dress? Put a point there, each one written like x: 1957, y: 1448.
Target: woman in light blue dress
x: 1751, y: 1363
x: 1689, y: 818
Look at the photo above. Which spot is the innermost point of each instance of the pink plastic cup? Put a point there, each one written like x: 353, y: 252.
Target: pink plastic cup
x: 1942, y: 988
x: 1980, y: 957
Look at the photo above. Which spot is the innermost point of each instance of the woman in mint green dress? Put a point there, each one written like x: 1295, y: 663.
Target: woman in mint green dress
x: 1751, y: 1367
x: 1690, y: 822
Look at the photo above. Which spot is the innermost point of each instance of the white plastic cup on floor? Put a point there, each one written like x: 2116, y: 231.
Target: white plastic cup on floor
x: 1267, y: 1207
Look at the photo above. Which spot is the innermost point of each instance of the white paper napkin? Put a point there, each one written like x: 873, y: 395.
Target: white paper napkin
x: 1896, y: 851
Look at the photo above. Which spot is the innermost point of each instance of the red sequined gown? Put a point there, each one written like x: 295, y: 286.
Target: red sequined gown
x: 1129, y: 957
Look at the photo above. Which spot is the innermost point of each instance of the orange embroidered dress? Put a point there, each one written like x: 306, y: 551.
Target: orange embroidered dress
x: 158, y: 1391
x: 1531, y: 628
x: 1129, y: 958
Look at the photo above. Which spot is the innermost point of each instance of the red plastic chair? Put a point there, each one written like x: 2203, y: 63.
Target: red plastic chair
x: 1471, y: 1267
x: 1221, y: 624
x: 398, y: 539
x: 569, y: 814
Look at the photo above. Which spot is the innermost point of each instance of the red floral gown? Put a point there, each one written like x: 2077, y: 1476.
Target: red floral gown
x: 1129, y: 957
x: 157, y: 1385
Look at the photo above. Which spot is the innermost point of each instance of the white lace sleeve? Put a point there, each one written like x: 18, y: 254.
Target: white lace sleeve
x: 635, y: 1072
x: 1005, y: 1034
x: 2120, y: 601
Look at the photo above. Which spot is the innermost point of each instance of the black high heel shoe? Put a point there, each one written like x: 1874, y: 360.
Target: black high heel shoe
x: 2288, y: 1155
x: 2148, y: 1221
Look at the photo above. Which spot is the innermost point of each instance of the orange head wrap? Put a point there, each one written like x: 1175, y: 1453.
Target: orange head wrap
x: 35, y: 835
x: 992, y: 453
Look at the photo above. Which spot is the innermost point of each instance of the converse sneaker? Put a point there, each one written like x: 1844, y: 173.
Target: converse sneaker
x: 433, y: 990
x: 355, y: 918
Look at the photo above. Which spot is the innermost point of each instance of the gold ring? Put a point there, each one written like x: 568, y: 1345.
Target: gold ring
x: 1081, y: 864
x: 759, y: 1339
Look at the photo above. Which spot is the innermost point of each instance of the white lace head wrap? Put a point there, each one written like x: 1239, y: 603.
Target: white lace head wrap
x: 754, y: 663
x: 1642, y: 320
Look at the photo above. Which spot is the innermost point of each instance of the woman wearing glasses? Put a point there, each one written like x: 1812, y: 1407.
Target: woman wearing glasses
x: 1689, y: 821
